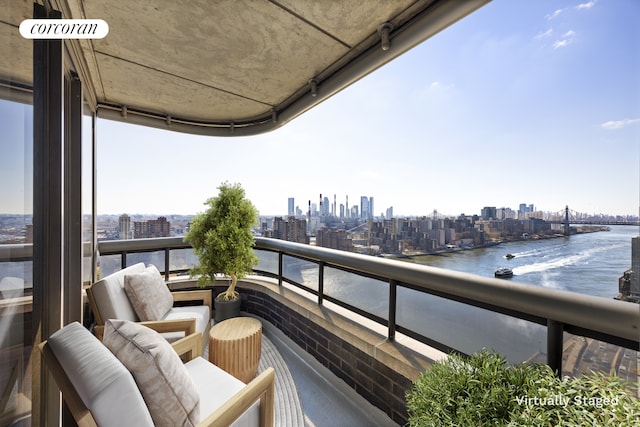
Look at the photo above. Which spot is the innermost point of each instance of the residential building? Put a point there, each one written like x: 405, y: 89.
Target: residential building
x: 291, y: 229
x: 124, y: 227
x: 334, y: 239
x: 152, y: 228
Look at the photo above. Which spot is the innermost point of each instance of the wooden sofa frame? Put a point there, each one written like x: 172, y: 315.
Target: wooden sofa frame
x: 261, y: 388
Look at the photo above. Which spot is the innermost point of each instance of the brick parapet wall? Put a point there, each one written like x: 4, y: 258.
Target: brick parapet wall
x: 378, y: 369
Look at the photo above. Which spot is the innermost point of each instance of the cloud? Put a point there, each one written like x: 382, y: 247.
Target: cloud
x: 555, y: 14
x: 587, y: 5
x: 560, y: 43
x: 582, y: 6
x: 546, y: 34
x: 567, y: 38
x: 439, y: 86
x: 619, y: 124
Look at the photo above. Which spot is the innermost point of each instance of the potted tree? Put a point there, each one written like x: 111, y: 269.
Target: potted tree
x: 221, y: 238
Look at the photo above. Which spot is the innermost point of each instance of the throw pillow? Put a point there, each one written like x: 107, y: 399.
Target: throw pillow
x: 163, y: 380
x: 149, y: 295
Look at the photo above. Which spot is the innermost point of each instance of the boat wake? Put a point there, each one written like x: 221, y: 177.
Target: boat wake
x: 544, y: 251
x: 558, y: 262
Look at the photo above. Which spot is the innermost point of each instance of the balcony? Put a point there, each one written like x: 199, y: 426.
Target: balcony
x: 313, y: 297
x: 376, y: 345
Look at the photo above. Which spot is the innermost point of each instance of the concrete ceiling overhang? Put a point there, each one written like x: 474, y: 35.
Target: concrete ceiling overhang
x: 227, y: 67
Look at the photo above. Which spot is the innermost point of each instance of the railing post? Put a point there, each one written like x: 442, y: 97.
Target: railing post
x: 167, y: 264
x: 393, y: 293
x: 280, y: 257
x: 320, y: 282
x: 555, y: 340
x: 123, y: 260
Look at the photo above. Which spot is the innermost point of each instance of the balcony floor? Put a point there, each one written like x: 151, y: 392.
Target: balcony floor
x: 307, y: 393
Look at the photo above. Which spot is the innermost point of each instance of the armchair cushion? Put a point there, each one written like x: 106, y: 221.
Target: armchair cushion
x: 103, y: 384
x: 148, y: 294
x: 163, y: 380
x: 110, y: 297
x: 216, y: 387
x: 199, y: 312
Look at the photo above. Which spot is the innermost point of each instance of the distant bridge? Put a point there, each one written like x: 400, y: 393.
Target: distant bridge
x: 568, y: 216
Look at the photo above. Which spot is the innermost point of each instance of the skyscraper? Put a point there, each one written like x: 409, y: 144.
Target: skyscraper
x: 325, y: 207
x: 291, y: 210
x: 364, y: 207
x: 347, y: 207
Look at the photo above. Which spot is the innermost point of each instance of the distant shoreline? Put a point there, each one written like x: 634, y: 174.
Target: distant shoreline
x: 583, y: 229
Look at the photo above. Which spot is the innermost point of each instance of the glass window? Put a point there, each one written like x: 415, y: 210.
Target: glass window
x: 16, y: 273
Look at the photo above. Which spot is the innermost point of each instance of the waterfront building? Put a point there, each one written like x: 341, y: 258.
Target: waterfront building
x: 629, y: 283
x: 536, y: 226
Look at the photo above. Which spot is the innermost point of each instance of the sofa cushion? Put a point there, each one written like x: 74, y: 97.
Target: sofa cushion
x: 102, y: 382
x: 163, y: 380
x: 110, y: 296
x: 149, y: 295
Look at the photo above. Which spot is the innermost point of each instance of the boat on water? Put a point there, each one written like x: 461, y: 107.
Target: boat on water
x: 509, y: 256
x: 503, y: 273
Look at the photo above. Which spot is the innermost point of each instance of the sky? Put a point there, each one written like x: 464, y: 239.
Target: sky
x: 534, y: 102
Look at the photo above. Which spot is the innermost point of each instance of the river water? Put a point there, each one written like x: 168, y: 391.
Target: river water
x: 588, y: 263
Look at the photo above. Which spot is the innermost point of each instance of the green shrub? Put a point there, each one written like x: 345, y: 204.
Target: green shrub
x: 484, y: 390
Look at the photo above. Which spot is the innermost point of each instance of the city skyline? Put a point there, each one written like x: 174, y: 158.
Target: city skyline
x: 532, y: 102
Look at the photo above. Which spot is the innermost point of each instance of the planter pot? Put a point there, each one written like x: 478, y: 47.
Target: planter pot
x: 226, y: 309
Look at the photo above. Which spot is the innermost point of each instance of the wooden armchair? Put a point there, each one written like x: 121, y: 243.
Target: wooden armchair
x: 109, y: 299
x: 94, y: 382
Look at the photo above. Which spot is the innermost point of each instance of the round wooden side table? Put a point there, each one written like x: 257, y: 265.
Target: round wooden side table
x: 235, y: 346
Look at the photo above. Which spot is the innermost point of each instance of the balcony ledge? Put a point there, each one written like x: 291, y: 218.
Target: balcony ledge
x: 354, y: 348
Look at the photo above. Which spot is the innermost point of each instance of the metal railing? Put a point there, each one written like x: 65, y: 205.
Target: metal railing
x: 606, y: 320
x: 133, y: 246
x: 560, y: 311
